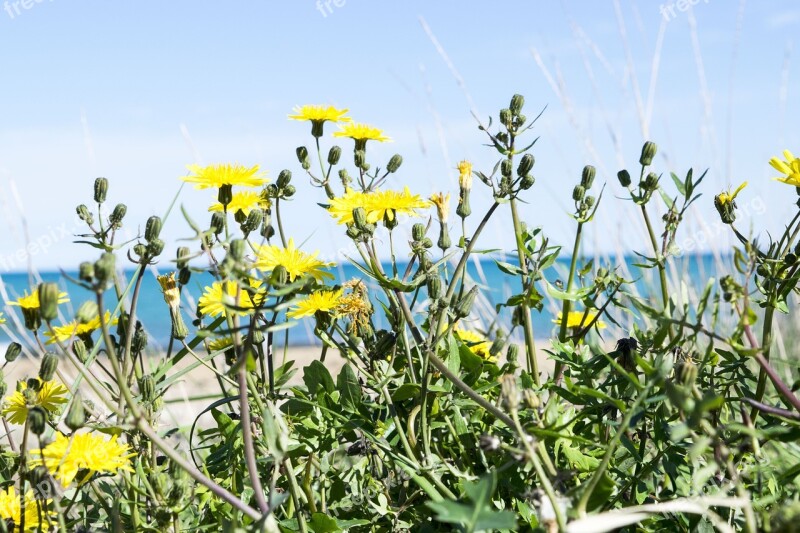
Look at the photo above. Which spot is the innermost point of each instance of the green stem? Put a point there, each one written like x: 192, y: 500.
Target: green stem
x: 662, y: 271
x: 530, y: 341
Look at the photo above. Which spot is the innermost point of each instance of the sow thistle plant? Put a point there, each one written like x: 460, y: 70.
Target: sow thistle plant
x: 440, y: 418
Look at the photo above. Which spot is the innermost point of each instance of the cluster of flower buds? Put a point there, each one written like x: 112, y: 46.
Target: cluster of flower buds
x: 420, y: 248
x: 649, y: 183
x: 153, y: 245
x: 360, y: 230
x: 584, y: 203
x: 302, y: 157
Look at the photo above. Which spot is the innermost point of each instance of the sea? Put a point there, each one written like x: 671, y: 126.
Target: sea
x: 689, y: 273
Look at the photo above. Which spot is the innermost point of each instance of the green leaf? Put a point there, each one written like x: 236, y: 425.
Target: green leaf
x: 349, y: 388
x: 322, y: 523
x: 406, y: 391
x: 317, y: 377
x: 508, y: 268
x: 678, y: 183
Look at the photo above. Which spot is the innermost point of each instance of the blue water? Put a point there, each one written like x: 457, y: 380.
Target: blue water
x: 695, y: 270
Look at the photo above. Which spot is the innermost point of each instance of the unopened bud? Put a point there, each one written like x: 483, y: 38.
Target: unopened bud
x: 76, y: 414
x: 463, y: 210
x: 505, y: 117
x: 517, y: 101
x: 217, y: 222
x: 104, y: 268
x: 649, y: 150
x: 253, y: 220
x: 152, y: 229
x: 394, y: 163
x: 418, y: 231
x: 531, y: 399
x: 624, y: 178
x: 80, y: 351
x: 506, y: 168
x: 48, y: 301
x: 434, y: 287
x: 116, y: 216
x: 527, y: 182
x: 183, y: 257
x: 360, y: 159
x: 525, y: 165
x: 587, y: 177
x: 87, y: 312
x: 13, y: 351
x: 464, y: 305
x: 147, y: 386
x: 37, y: 419
x: 84, y: 214
x: 86, y: 271
x: 279, y: 276
x: 100, y: 190
x: 302, y: 156
x: 578, y: 192
x: 155, y: 247
x: 48, y: 366
x: 334, y: 154
x: 650, y: 182
x: 139, y: 342
x: 289, y: 191
x: 512, y: 353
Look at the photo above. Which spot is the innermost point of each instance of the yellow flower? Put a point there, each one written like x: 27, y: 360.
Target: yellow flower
x: 50, y: 395
x: 476, y: 342
x: 296, y: 262
x: 341, y: 207
x: 790, y: 168
x: 220, y: 344
x: 219, y: 175
x: 388, y: 204
x: 442, y: 204
x: 65, y: 456
x: 356, y: 305
x: 244, y: 201
x: 465, y: 174
x: 320, y: 114
x: 221, y: 297
x: 77, y: 329
x: 31, y: 301
x: 361, y: 132
x: 319, y: 301
x: 725, y: 198
x: 580, y: 319
x: 170, y: 290
x: 9, y: 510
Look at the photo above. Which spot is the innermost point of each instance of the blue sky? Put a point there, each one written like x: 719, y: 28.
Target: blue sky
x: 136, y: 91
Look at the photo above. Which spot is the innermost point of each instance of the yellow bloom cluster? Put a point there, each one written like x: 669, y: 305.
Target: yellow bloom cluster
x: 66, y: 456
x: 318, y: 301
x: 34, y: 510
x: 77, y: 329
x: 377, y: 205
x: 215, y: 176
x: 50, y: 395
x: 296, y: 262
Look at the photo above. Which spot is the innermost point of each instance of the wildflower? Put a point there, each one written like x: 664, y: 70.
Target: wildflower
x: 225, y: 174
x: 318, y: 115
x: 341, y: 207
x: 465, y: 175
x: 244, y: 201
x: 66, y: 456
x: 225, y: 297
x: 442, y: 203
x: 476, y: 342
x: 318, y: 301
x: 33, y: 509
x: 725, y: 204
x: 31, y: 301
x: 172, y: 296
x: 77, y: 329
x: 50, y: 395
x: 296, y: 262
x: 361, y: 133
x: 217, y: 345
x: 580, y: 319
x: 386, y: 205
x: 356, y: 305
x: 790, y: 168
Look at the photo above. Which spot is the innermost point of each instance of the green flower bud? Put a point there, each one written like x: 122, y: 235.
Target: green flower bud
x: 147, y: 386
x: 578, y: 192
x: 427, y: 243
x: 48, y: 301
x: 139, y: 342
x: 418, y: 231
x: 302, y: 154
x: 140, y: 249
x: 527, y: 182
x: 588, y: 202
x: 390, y: 220
x: 87, y: 312
x: 289, y: 191
x: 434, y: 284
x: 790, y: 259
x: 624, y: 178
x: 116, y: 216
x: 37, y: 419
x: 284, y: 178
x: 279, y: 276
x: 80, y: 351
x: 334, y: 154
x: 267, y: 231
x: 587, y: 177
x: 394, y: 163
x: 506, y: 168
x: 3, y: 384
x: 86, y: 271
x: 517, y: 101
x: 152, y: 229
x: 238, y: 249
x: 272, y: 190
x: 155, y: 247
x: 100, y: 190
x: 505, y: 117
x: 650, y: 182
x: 84, y: 214
x: 76, y: 414
x: 353, y: 232
x: 345, y: 178
x: 360, y: 159
x: 360, y: 218
x: 649, y: 150
x: 444, y: 238
x: 48, y: 366
x: 253, y: 220
x: 217, y: 223
x: 104, y: 269
x: 464, y: 305
x: 13, y: 351
x: 525, y: 165
x: 531, y: 399
x: 463, y: 210
x: 182, y: 256
x: 512, y: 353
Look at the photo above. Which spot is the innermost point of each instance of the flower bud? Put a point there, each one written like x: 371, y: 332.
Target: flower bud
x: 418, y: 231
x: 463, y: 210
x: 587, y: 177
x: 116, y: 216
x: 360, y: 218
x: 588, y: 202
x: 464, y: 305
x: 650, y: 182
x: 152, y: 229
x: 13, y: 351
x: 386, y: 341
x: 147, y: 386
x: 444, y: 237
x: 394, y: 163
x: 48, y: 301
x: 139, y: 342
x: 289, y: 191
x: 217, y: 223
x: 578, y: 192
x: 253, y: 220
x: 76, y: 414
x: 531, y: 399
x: 84, y: 214
x: 427, y: 243
x: 624, y: 178
x: 80, y: 351
x: 140, y: 249
x: 279, y: 276
x: 649, y: 150
x: 525, y: 165
x: 87, y: 312
x: 517, y: 101
x: 3, y: 384
x: 334, y: 154
x: 726, y: 209
x: 284, y: 178
x: 527, y: 182
x: 100, y: 190
x: 155, y: 247
x: 434, y: 284
x: 505, y: 117
x: 86, y: 271
x: 48, y: 366
x: 104, y: 269
x: 360, y: 159
x: 37, y: 419
x: 509, y: 393
x: 505, y: 168
x: 512, y: 353
x: 238, y: 249
x: 302, y: 156
x: 182, y: 256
